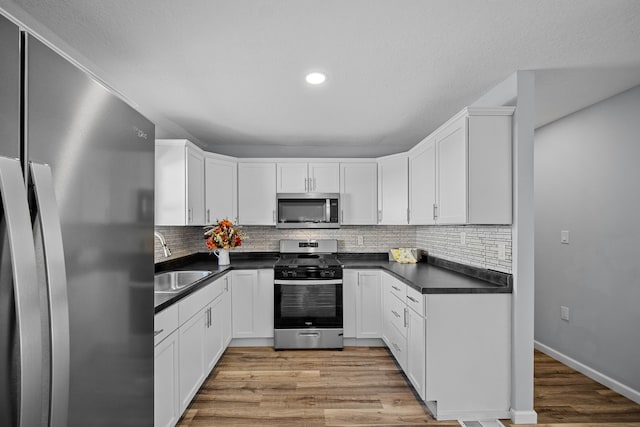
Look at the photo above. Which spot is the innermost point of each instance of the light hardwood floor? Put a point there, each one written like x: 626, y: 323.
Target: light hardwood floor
x: 362, y: 386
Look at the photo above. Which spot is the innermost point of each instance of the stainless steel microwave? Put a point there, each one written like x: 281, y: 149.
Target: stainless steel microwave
x: 308, y: 210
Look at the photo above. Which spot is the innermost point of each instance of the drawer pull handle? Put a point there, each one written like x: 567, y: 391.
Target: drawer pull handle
x: 156, y: 333
x: 397, y: 289
x: 395, y: 314
x: 412, y: 299
x: 309, y: 334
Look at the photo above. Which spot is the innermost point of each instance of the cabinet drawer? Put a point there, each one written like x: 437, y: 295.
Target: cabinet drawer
x: 415, y: 301
x: 395, y: 286
x: 164, y: 323
x: 395, y: 313
x: 398, y: 346
x: 195, y: 302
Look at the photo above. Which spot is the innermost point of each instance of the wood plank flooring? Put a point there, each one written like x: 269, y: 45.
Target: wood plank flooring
x: 363, y: 386
x: 257, y: 386
x: 563, y: 396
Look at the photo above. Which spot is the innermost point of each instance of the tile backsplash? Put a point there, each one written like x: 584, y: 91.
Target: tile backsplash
x: 480, y: 248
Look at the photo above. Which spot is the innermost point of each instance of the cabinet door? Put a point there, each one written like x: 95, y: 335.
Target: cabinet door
x: 195, y: 187
x: 166, y: 395
x: 422, y: 184
x: 192, y: 357
x: 221, y: 190
x: 358, y: 193
x: 416, y: 351
x: 393, y: 191
x: 214, y: 345
x: 324, y: 177
x: 452, y: 173
x: 292, y: 178
x: 225, y: 312
x: 368, y: 305
x: 257, y: 193
x: 349, y: 292
x: 252, y: 303
x: 244, y: 286
x: 263, y: 320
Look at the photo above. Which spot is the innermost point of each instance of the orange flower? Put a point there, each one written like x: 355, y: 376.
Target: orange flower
x: 223, y: 235
x: 210, y: 244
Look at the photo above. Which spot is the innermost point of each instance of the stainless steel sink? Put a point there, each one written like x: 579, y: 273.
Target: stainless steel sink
x: 177, y: 281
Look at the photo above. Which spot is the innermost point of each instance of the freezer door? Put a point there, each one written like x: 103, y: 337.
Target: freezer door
x: 9, y: 89
x: 100, y: 151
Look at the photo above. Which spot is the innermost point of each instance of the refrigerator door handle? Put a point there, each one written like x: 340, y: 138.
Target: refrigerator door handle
x: 56, y: 281
x: 13, y: 195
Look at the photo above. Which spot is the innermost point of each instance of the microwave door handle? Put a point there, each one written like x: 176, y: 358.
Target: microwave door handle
x: 56, y: 280
x: 17, y: 226
x: 327, y: 210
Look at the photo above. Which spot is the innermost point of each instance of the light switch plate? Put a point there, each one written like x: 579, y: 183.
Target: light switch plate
x: 463, y: 238
x: 360, y: 240
x: 564, y: 237
x: 564, y: 313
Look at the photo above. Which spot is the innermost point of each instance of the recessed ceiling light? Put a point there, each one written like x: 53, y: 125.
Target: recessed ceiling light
x: 315, y: 78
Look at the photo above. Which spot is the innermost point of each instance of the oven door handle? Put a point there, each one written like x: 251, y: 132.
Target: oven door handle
x: 308, y: 282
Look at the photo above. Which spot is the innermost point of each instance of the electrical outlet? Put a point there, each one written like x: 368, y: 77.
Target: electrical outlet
x: 360, y: 240
x: 564, y: 237
x: 564, y: 313
x: 463, y: 238
x: 502, y: 251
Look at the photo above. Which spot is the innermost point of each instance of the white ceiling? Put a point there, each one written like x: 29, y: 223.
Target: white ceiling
x: 229, y: 75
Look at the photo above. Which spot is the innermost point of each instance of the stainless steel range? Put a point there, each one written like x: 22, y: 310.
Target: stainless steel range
x: 308, y: 295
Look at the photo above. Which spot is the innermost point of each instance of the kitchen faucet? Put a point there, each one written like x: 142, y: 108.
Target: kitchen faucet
x: 163, y: 242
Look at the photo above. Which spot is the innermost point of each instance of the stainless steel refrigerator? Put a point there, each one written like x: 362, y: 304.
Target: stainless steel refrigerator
x: 76, y: 245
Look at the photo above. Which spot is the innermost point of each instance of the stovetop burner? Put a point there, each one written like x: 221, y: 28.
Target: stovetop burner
x: 308, y: 259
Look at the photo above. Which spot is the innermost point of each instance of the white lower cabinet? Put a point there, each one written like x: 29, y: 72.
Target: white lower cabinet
x: 404, y: 328
x: 191, y: 336
x: 415, y: 350
x: 468, y: 355
x: 192, y: 357
x: 165, y: 382
x: 361, y: 301
x: 252, y: 303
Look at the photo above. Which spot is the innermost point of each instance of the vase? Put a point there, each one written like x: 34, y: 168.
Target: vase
x: 223, y: 256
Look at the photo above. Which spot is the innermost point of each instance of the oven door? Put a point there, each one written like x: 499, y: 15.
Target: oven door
x: 307, y: 303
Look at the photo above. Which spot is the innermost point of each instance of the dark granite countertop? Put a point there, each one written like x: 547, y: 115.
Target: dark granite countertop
x: 435, y: 276
x: 430, y: 276
x: 205, y: 261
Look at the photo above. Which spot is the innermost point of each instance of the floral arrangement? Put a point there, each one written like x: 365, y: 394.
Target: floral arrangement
x: 223, y: 235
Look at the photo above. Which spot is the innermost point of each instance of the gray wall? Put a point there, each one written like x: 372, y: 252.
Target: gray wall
x: 587, y: 181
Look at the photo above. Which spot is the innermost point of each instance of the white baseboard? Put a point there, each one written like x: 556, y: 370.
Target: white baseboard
x: 524, y: 417
x: 603, y: 379
x: 251, y: 342
x: 363, y: 342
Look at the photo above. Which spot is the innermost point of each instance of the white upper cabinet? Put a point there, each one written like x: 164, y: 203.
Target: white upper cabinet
x: 179, y: 183
x: 452, y: 173
x: 461, y: 174
x: 256, y: 193
x: 221, y: 189
x: 358, y: 193
x: 422, y: 184
x: 474, y: 167
x: 324, y: 177
x: 393, y: 190
x: 302, y: 177
x: 292, y: 178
